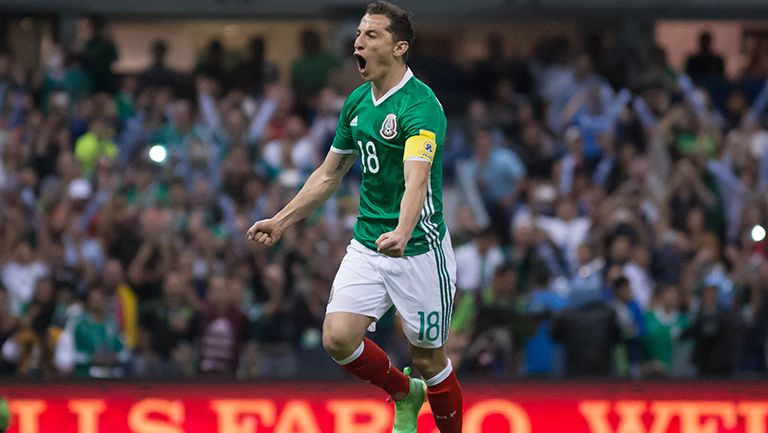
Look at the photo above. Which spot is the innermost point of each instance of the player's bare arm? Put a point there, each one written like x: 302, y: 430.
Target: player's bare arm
x: 416, y: 177
x: 320, y: 185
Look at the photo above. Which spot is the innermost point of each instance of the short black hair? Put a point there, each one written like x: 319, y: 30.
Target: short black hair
x: 399, y: 21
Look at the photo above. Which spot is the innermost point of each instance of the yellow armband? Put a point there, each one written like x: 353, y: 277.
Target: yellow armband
x: 422, y: 146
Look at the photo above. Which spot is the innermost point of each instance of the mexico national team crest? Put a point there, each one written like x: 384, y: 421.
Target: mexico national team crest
x: 389, y: 127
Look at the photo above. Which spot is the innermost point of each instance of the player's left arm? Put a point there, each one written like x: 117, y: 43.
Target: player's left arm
x: 419, y: 151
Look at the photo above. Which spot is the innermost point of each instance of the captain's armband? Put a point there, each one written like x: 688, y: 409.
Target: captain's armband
x: 421, y: 147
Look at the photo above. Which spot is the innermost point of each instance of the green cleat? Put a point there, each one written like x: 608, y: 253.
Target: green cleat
x: 407, y: 409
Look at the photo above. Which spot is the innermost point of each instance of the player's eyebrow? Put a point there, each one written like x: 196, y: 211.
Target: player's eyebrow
x: 368, y: 31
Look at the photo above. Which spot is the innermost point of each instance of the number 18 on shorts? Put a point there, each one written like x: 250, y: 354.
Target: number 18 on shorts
x: 421, y: 288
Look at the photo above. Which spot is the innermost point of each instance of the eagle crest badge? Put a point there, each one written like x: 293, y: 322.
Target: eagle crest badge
x: 389, y: 127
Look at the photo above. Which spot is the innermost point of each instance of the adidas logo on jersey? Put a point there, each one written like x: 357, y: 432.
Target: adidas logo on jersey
x: 353, y: 122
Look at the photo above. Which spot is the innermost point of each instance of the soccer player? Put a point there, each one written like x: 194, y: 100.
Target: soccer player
x: 401, y: 253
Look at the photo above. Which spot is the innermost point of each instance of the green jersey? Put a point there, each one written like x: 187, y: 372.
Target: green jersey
x: 377, y: 131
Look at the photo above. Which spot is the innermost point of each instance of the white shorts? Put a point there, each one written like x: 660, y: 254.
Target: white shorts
x: 420, y: 287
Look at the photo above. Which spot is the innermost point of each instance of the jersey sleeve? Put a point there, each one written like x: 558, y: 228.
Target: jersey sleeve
x: 342, y: 141
x: 423, y: 124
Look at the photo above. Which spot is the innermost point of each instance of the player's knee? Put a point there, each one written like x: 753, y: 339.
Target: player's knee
x: 429, y: 363
x: 338, y: 344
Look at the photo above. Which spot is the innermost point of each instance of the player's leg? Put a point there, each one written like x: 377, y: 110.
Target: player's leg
x: 344, y: 339
x: 358, y: 297
x: 422, y: 288
x: 443, y: 389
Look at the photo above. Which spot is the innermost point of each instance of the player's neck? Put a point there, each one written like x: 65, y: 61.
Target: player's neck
x: 388, y: 81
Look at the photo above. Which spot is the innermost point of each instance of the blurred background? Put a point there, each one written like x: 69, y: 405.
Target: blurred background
x: 606, y: 181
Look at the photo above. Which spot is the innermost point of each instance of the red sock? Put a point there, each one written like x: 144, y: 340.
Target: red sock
x: 373, y: 366
x: 446, y: 401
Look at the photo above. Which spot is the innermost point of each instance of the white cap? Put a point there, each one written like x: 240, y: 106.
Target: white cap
x: 79, y: 189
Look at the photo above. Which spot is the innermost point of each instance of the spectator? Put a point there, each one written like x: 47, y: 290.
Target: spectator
x: 154, y: 256
x: 664, y: 327
x: 309, y: 73
x: 167, y: 329
x: 177, y: 134
x: 631, y: 323
x: 432, y: 60
x: 97, y: 143
x: 20, y: 276
x: 487, y: 72
x: 125, y: 100
x: 122, y: 303
x: 714, y: 332
x: 637, y: 272
x: 755, y: 317
x: 705, y: 63
x: 290, y: 159
x: 255, y: 72
x: 32, y: 347
x: 500, y: 327
x: 497, y: 171
x: 506, y: 106
x: 542, y: 355
x: 309, y: 312
x: 99, y: 54
x: 323, y: 127
x: 211, y: 63
x: 566, y: 228
x: 269, y: 325
x: 82, y: 251
x: 588, y: 330
x: 158, y: 74
x: 64, y: 80
x: 537, y: 148
x: 588, y: 270
x: 98, y: 340
x: 223, y: 329
x: 479, y: 260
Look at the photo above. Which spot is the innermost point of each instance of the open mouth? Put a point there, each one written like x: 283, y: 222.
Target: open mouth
x: 361, y: 62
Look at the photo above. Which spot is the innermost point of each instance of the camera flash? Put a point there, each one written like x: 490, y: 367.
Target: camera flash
x: 758, y: 233
x: 158, y: 154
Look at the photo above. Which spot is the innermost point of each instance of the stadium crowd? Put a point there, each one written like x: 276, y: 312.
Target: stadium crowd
x: 609, y: 213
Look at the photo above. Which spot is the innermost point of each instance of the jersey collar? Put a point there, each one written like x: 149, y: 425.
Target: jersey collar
x: 408, y: 75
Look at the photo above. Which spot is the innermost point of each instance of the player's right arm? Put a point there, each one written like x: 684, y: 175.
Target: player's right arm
x: 320, y: 185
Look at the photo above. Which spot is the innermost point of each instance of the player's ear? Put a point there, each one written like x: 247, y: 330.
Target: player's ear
x: 400, y: 48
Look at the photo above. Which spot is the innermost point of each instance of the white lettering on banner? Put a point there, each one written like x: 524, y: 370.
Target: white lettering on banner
x: 297, y: 416
x: 516, y: 416
x: 693, y: 416
x: 27, y: 413
x: 87, y: 412
x: 140, y: 418
x: 360, y: 416
x: 755, y: 415
x: 306, y: 415
x: 237, y: 415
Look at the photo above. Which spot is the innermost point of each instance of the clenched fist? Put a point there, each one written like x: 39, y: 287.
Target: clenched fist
x: 265, y: 232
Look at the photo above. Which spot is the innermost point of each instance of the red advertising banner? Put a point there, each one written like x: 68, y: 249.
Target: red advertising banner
x: 108, y: 407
